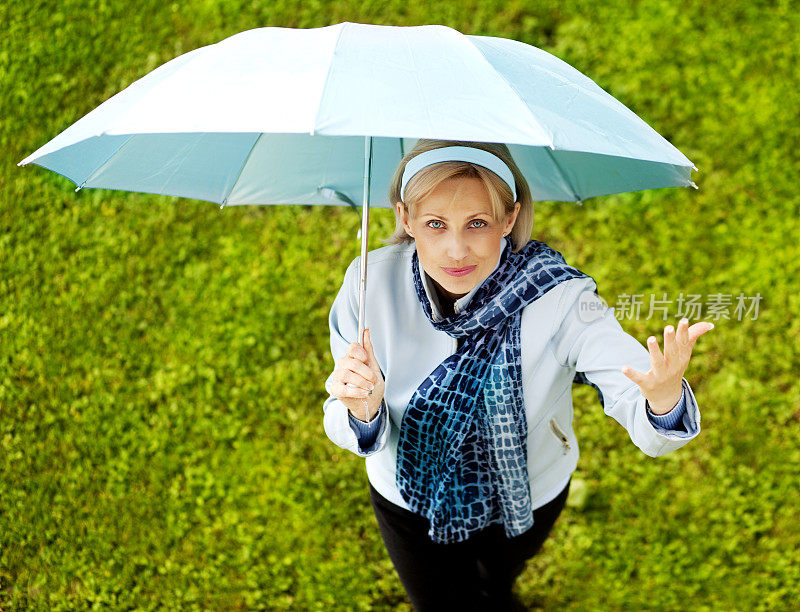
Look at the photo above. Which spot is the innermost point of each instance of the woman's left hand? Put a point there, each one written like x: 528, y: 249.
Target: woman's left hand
x: 662, y: 385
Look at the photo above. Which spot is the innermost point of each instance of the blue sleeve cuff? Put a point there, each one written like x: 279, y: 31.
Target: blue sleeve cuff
x: 672, y: 420
x: 367, y: 433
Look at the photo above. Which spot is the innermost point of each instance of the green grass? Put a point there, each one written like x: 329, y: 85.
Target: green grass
x: 162, y: 361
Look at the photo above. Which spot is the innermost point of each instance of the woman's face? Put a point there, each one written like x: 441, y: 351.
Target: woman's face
x: 454, y: 229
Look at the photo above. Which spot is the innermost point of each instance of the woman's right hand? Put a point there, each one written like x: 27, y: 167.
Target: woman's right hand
x: 355, y: 375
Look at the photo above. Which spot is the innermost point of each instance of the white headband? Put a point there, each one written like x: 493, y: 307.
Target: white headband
x: 467, y: 154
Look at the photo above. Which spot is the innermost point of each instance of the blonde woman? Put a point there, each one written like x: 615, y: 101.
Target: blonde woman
x: 460, y: 397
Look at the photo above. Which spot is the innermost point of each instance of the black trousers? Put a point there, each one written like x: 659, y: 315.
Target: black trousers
x: 476, y: 574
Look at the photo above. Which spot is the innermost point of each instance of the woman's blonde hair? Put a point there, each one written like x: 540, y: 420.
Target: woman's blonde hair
x: 426, y: 180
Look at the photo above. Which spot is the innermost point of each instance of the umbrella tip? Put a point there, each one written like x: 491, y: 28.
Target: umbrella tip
x: 693, y: 185
x: 695, y: 168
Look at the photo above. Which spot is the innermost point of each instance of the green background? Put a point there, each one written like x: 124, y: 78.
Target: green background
x: 162, y: 361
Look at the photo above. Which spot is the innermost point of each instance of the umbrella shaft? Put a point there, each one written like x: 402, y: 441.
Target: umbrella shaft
x: 362, y: 293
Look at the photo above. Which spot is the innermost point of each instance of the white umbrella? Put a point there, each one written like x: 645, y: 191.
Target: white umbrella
x: 324, y: 116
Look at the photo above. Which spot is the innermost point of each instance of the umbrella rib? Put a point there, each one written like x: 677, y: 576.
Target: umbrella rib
x: 516, y: 93
x: 327, y: 77
x: 103, y: 164
x: 563, y: 176
x: 239, y: 174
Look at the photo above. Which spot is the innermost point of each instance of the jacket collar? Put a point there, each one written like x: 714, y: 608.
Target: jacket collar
x: 460, y: 303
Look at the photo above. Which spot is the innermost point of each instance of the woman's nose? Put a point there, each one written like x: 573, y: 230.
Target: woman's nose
x: 457, y: 248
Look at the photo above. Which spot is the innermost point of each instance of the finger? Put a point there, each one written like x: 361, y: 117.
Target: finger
x: 347, y: 390
x: 373, y: 362
x: 670, y: 344
x: 698, y: 329
x: 682, y: 335
x: 359, y: 391
x: 368, y: 348
x: 348, y: 364
x: 354, y: 381
x: 657, y: 361
x: 356, y: 351
x: 344, y: 388
x: 638, y: 377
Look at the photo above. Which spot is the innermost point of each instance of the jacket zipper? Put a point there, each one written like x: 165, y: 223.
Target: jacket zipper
x: 560, y: 435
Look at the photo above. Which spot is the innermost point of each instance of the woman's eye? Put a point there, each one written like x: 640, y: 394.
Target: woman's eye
x: 474, y: 226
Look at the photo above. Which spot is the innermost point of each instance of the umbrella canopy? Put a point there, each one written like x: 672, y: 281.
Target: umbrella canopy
x: 325, y: 115
x: 279, y: 116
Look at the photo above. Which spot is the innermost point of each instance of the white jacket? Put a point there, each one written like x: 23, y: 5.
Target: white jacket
x: 556, y: 342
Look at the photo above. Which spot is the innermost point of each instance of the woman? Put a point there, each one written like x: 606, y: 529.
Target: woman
x: 461, y: 401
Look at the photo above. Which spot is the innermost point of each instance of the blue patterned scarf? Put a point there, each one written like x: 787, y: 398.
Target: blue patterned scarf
x: 462, y: 450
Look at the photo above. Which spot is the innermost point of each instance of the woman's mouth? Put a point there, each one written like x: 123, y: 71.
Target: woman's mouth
x: 459, y: 271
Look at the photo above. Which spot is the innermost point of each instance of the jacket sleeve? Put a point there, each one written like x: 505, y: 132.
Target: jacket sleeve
x: 672, y: 419
x: 343, y: 322
x: 590, y: 339
x: 367, y: 432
